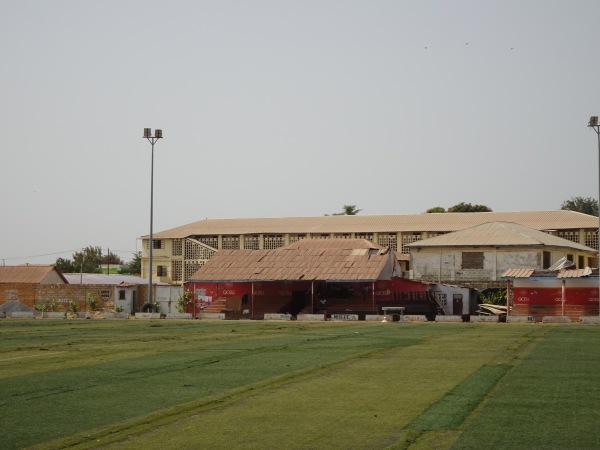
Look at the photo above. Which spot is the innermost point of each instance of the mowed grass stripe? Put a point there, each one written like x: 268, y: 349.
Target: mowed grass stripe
x: 361, y: 403
x: 48, y: 403
x: 550, y: 401
x: 451, y: 411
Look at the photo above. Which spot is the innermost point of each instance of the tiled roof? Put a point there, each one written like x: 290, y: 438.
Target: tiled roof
x: 433, y: 222
x: 335, y: 260
x: 499, y: 234
x: 30, y: 273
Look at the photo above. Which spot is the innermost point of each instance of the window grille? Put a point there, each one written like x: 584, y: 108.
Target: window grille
x: 367, y: 236
x: 408, y: 239
x: 231, y: 243
x: 388, y: 240
x: 296, y: 237
x: 591, y: 239
x: 161, y: 271
x: 177, y: 247
x: 569, y: 235
x: 176, y: 270
x: 342, y: 235
x: 197, y: 251
x: 251, y: 242
x: 271, y: 241
x: 211, y: 241
x: 191, y: 268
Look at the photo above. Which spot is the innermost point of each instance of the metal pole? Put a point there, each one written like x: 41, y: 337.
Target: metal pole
x: 152, y: 140
x: 593, y: 124
x: 151, y: 216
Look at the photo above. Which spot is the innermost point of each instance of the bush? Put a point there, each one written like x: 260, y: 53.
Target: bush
x: 90, y: 299
x: 73, y: 306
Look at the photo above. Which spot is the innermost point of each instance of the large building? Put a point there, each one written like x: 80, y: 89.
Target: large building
x: 179, y: 252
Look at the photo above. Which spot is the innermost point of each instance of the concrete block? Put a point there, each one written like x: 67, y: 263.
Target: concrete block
x: 589, y: 319
x: 116, y: 315
x: 147, y: 316
x: 22, y: 314
x: 220, y: 316
x: 310, y: 317
x: 186, y: 316
x: 373, y: 318
x: 344, y: 317
x: 54, y: 315
x: 520, y: 319
x: 452, y: 319
x: 556, y: 319
x: 277, y: 316
x: 488, y: 319
x: 415, y: 318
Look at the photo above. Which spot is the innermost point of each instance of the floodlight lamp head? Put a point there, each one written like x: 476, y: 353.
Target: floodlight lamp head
x: 157, y: 134
x: 147, y: 132
x: 593, y: 121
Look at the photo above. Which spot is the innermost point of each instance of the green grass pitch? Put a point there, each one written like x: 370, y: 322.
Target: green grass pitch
x: 259, y: 385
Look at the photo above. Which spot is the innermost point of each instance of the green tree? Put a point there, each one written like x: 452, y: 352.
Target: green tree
x: 436, y: 209
x: 587, y: 205
x: 135, y: 265
x: 347, y: 210
x: 111, y: 258
x: 65, y: 265
x: 468, y: 207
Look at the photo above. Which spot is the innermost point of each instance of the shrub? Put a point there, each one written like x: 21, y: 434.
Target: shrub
x: 73, y: 306
x: 90, y: 299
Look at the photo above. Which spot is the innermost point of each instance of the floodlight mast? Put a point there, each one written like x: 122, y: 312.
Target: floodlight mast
x: 152, y: 139
x: 593, y: 124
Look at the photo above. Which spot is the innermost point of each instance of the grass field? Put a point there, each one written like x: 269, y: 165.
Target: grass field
x: 255, y: 384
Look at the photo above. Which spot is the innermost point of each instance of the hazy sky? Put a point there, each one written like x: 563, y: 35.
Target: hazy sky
x: 285, y: 108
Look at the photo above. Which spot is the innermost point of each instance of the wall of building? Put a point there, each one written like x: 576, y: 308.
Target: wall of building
x: 24, y: 293
x: 450, y: 266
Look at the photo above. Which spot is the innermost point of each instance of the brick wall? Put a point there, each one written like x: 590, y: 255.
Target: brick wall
x: 20, y: 292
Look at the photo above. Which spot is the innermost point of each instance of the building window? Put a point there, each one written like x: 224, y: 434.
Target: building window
x: 591, y: 239
x: 121, y: 294
x: 342, y: 236
x: 161, y: 271
x: 191, y: 268
x: 251, y: 242
x: 296, y: 237
x: 580, y: 262
x: 388, y: 240
x: 158, y: 244
x: 272, y: 241
x: 231, y: 243
x: 546, y: 261
x: 441, y: 298
x: 569, y: 235
x: 408, y: 239
x: 472, y: 260
x: 176, y: 270
x: 177, y: 247
x: 211, y: 241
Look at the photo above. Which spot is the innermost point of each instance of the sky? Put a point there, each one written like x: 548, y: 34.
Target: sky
x: 285, y: 108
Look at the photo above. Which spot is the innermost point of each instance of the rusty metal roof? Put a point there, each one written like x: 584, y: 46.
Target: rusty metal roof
x: 334, y: 261
x: 424, y: 222
x: 547, y: 273
x: 518, y: 273
x: 499, y: 234
x: 30, y: 273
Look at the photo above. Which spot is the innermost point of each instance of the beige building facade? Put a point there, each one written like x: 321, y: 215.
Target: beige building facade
x: 179, y: 252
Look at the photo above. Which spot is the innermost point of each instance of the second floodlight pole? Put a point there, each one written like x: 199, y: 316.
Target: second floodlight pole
x: 152, y: 140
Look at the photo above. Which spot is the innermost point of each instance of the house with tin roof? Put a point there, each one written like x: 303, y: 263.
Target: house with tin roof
x: 484, y: 252
x: 179, y: 252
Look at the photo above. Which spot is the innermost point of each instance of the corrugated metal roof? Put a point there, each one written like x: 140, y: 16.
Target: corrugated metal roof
x: 574, y: 273
x: 499, y: 234
x: 102, y: 278
x: 30, y: 273
x: 324, y: 261
x: 434, y: 222
x: 518, y: 273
